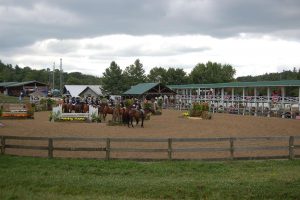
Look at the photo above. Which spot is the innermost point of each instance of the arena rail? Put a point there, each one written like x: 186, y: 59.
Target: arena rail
x: 169, y: 150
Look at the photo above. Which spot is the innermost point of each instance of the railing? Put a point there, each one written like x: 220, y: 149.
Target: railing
x: 171, y: 146
x: 238, y: 98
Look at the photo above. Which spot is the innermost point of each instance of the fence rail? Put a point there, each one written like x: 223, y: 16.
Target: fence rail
x: 231, y: 147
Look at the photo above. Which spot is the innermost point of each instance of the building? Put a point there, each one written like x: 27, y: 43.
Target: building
x: 257, y: 98
x: 83, y: 90
x: 148, y: 91
x: 27, y: 87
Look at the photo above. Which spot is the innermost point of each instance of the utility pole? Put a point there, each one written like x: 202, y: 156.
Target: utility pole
x: 61, y: 77
x: 49, y: 76
x: 53, y: 86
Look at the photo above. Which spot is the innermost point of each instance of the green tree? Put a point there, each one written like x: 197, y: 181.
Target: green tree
x: 176, y: 76
x: 113, y: 79
x: 212, y: 73
x: 134, y: 74
x: 157, y: 74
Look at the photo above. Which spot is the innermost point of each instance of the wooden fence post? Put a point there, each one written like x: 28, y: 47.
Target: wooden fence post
x: 291, y: 148
x: 107, y: 149
x: 50, y: 148
x: 170, y: 148
x: 231, y: 140
x: 2, y: 145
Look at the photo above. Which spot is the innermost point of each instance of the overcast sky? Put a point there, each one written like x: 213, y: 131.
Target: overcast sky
x: 254, y: 36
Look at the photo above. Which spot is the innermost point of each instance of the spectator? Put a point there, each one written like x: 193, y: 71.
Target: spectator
x: 21, y: 96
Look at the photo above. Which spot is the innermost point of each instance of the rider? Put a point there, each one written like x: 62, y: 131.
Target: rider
x: 111, y: 102
x: 122, y: 104
x: 73, y: 101
x: 89, y: 101
x: 77, y: 100
x: 138, y: 106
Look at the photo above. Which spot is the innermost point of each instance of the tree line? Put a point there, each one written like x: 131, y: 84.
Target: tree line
x: 9, y: 73
x: 114, y: 80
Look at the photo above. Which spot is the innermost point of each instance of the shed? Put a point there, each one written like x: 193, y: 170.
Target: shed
x: 92, y: 90
x: 3, y: 86
x: 27, y: 87
x: 149, y: 90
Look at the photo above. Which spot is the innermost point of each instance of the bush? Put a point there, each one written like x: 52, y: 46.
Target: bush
x: 206, y: 115
x: 147, y: 106
x: 128, y: 103
x: 160, y: 102
x: 200, y: 110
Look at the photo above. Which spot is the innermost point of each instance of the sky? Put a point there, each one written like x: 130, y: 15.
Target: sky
x: 254, y: 36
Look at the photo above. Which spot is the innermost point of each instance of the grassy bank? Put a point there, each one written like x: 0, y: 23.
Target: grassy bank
x: 40, y: 178
x: 12, y: 99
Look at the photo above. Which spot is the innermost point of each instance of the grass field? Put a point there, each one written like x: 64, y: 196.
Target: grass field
x: 12, y: 99
x: 40, y: 178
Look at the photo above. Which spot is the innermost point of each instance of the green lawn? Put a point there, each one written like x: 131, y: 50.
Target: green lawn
x: 42, y: 178
x: 12, y: 99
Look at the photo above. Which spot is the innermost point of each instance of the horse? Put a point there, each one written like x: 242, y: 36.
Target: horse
x: 104, y: 109
x: 65, y: 108
x: 129, y: 114
x: 71, y: 107
x: 85, y: 108
x: 75, y: 107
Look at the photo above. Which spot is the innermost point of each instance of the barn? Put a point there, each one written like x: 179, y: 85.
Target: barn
x: 149, y: 91
x: 27, y: 87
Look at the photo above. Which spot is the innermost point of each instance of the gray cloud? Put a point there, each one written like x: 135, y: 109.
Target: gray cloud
x: 23, y: 22
x: 92, y: 33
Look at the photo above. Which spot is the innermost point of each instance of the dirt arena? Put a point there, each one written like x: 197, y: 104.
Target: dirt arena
x: 168, y: 125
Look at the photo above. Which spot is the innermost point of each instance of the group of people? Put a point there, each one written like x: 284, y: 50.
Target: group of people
x: 97, y: 102
x: 87, y: 100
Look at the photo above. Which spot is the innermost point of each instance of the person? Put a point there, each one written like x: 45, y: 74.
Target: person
x: 21, y: 96
x: 122, y: 104
x: 73, y: 101
x: 139, y: 107
x: 89, y: 101
x: 78, y: 100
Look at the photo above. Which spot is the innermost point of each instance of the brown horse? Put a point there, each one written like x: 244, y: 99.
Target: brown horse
x: 65, y: 108
x: 71, y: 107
x: 129, y: 114
x: 77, y: 108
x: 105, y: 109
x: 85, y: 108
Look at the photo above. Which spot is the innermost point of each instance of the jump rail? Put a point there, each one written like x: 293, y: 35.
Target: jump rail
x: 169, y: 150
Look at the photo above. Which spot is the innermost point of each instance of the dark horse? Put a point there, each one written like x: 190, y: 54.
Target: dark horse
x: 129, y: 114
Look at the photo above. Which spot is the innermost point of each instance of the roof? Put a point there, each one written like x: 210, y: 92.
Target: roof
x: 76, y: 90
x: 16, y: 84
x: 4, y: 84
x: 149, y: 88
x: 140, y: 88
x: 239, y: 84
x: 95, y: 88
